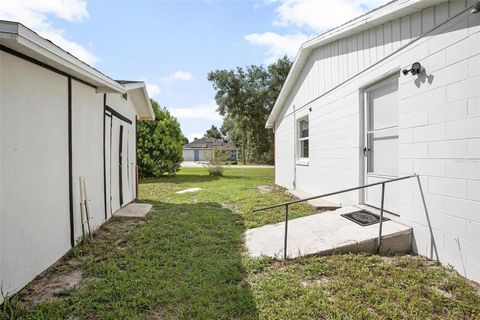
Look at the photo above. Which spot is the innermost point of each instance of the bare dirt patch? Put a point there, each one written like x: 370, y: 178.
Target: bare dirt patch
x: 67, y: 273
x: 55, y: 282
x: 233, y: 208
x: 268, y: 188
x: 316, y: 282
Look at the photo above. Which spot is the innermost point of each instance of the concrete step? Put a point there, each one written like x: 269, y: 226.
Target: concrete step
x: 325, y: 233
x: 316, y: 203
x: 132, y: 210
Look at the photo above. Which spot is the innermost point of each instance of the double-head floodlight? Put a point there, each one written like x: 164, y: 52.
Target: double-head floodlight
x: 415, y: 69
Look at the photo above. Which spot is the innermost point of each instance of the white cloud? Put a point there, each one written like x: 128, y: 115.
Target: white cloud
x: 180, y: 75
x: 206, y: 111
x: 321, y: 15
x: 309, y: 18
x: 277, y: 45
x: 34, y: 14
x: 152, y: 89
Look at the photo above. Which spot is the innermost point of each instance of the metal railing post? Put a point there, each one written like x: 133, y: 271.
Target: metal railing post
x: 383, y: 183
x: 432, y: 239
x: 286, y: 233
x: 381, y: 219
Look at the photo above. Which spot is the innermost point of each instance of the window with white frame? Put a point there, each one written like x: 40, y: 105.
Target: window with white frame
x: 303, y: 148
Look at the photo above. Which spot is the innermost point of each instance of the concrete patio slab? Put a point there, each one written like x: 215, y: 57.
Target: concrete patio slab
x: 325, y: 233
x: 316, y: 203
x: 134, y: 210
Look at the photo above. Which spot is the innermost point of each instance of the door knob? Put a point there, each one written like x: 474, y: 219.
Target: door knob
x: 365, y: 149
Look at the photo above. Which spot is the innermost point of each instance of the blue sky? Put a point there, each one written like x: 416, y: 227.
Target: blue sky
x: 172, y: 45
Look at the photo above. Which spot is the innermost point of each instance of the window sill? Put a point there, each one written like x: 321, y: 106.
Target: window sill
x: 302, y: 162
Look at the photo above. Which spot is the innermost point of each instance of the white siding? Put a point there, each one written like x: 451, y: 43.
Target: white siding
x: 34, y: 169
x: 439, y: 124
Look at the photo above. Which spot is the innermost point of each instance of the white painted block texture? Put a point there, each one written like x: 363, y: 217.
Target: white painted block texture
x: 439, y: 127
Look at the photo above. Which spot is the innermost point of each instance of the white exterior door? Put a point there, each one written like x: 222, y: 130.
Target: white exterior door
x: 381, y: 143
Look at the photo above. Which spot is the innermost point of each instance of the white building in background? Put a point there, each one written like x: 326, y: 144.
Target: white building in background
x: 347, y: 115
x: 60, y: 120
x: 202, y: 150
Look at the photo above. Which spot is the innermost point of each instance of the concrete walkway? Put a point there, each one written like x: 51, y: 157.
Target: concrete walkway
x: 134, y: 210
x: 319, y: 203
x: 201, y: 164
x: 325, y: 233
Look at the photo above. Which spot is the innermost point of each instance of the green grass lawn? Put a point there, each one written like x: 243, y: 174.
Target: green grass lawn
x: 186, y: 260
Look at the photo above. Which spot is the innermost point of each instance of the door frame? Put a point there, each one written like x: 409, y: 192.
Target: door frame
x: 120, y: 165
x: 392, y: 75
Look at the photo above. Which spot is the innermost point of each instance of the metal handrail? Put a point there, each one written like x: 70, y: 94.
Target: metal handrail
x: 288, y: 203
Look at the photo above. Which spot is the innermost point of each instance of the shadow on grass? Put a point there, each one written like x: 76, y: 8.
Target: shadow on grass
x: 183, y: 261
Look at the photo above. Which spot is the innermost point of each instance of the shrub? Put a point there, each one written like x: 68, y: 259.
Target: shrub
x: 219, y: 158
x: 159, y: 144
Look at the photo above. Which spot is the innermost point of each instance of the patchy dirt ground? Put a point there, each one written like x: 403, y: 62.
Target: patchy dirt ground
x: 269, y: 188
x: 56, y: 281
x: 67, y: 273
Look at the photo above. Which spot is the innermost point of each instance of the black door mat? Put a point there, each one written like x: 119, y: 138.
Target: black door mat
x: 363, y: 217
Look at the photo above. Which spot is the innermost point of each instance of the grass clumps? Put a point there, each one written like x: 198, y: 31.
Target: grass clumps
x: 185, y: 260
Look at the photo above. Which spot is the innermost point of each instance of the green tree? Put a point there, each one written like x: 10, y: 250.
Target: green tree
x: 245, y: 97
x: 159, y: 144
x: 213, y: 132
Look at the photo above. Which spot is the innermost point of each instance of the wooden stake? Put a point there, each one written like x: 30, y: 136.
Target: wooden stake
x: 87, y: 207
x: 82, y: 212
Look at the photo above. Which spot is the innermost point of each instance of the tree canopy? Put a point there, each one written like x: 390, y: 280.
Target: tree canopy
x: 213, y: 132
x: 245, y: 97
x: 159, y: 144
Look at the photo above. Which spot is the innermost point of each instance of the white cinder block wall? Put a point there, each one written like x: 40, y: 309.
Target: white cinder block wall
x: 439, y: 124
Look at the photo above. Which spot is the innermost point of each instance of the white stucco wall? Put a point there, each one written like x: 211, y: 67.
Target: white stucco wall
x: 439, y: 124
x: 34, y: 165
x: 108, y: 165
x: 125, y: 108
x: 34, y: 168
x: 87, y: 152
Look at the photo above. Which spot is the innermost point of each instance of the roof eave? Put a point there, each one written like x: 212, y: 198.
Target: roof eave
x: 377, y: 16
x: 144, y: 108
x: 19, y: 38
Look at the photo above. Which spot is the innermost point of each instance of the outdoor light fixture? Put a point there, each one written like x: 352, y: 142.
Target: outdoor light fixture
x: 415, y: 69
x: 476, y: 8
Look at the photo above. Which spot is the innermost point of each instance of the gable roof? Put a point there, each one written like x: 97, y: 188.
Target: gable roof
x: 390, y: 11
x: 208, y: 143
x: 137, y: 90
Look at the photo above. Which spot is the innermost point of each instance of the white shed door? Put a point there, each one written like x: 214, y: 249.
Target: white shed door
x: 381, y: 137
